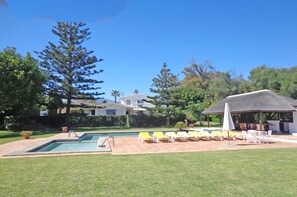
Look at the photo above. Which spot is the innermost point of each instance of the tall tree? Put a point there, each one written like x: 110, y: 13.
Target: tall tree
x: 164, y: 85
x: 69, y: 65
x: 21, y: 82
x: 198, y: 75
x: 280, y: 80
x: 115, y: 94
x: 191, y: 101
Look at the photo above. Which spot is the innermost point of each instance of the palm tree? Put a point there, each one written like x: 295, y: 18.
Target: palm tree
x: 115, y: 94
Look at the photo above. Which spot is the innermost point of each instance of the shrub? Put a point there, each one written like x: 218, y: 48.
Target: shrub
x: 180, y: 125
x: 26, y: 133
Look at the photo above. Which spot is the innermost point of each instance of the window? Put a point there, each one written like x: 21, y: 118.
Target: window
x: 110, y: 112
x: 128, y: 102
x: 139, y: 101
x: 93, y: 112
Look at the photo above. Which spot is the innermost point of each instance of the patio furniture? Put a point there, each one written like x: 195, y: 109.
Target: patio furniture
x: 205, y: 134
x: 232, y: 135
x: 265, y: 136
x: 143, y: 136
x: 217, y: 135
x: 159, y: 135
x: 254, y: 136
x: 269, y: 133
x: 242, y: 126
x: 245, y: 136
x: 183, y: 135
x: 172, y: 136
x: 194, y: 134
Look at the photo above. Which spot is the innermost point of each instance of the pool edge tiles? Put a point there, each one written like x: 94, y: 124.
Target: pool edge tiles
x: 32, y: 151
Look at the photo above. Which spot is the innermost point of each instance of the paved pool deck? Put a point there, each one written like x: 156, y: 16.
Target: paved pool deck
x: 131, y: 145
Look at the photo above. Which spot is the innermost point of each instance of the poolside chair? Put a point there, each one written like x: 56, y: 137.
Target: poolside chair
x: 204, y: 134
x: 172, y: 136
x: 194, y: 134
x: 183, y: 135
x: 265, y: 136
x: 232, y: 135
x: 244, y: 136
x: 158, y: 135
x: 143, y: 136
x: 217, y: 135
x: 269, y: 133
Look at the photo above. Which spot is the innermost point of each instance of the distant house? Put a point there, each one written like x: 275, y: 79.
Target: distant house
x: 105, y: 109
x: 93, y: 108
x: 132, y: 104
x: 137, y: 101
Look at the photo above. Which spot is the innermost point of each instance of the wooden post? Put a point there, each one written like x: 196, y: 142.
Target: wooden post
x: 260, y: 120
x: 207, y: 120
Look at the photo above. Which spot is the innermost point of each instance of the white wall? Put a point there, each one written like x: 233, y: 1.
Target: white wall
x: 133, y: 100
x: 293, y: 126
x: 102, y: 112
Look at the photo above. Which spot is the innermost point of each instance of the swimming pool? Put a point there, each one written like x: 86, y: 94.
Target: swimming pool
x: 95, y: 136
x: 85, y: 143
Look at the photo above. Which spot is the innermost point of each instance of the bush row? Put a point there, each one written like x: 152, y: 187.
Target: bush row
x: 18, y: 123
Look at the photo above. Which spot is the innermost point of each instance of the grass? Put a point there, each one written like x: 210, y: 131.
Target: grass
x: 227, y: 173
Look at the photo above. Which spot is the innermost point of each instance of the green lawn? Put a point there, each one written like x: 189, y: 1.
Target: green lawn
x: 226, y: 173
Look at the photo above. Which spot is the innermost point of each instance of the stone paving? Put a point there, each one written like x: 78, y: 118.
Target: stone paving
x: 130, y: 145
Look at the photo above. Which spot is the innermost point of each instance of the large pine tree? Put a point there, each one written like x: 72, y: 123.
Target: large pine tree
x: 164, y: 85
x: 69, y: 65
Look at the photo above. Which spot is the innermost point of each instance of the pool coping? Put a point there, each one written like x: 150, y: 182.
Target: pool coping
x: 28, y: 149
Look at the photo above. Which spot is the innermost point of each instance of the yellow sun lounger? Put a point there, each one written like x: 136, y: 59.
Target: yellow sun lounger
x: 232, y: 135
x: 142, y: 136
x: 194, y: 134
x: 205, y: 134
x: 217, y: 135
x: 158, y: 135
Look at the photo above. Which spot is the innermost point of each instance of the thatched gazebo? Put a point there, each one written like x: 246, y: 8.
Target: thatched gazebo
x: 263, y: 101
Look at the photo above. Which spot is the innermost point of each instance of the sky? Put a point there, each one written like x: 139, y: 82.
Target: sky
x: 135, y: 37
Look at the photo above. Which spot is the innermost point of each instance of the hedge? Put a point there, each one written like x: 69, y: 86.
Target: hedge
x: 18, y: 123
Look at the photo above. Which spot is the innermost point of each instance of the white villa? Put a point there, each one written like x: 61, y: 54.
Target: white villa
x: 105, y: 109
x: 128, y: 105
x: 137, y: 101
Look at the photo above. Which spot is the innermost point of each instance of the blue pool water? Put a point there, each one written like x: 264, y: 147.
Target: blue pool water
x: 68, y: 146
x: 95, y: 136
x: 87, y: 142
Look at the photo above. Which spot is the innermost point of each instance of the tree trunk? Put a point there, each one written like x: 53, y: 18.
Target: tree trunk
x: 168, y: 117
x: 168, y: 120
x: 68, y: 105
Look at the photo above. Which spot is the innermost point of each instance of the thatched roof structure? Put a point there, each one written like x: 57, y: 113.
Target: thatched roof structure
x: 259, y: 101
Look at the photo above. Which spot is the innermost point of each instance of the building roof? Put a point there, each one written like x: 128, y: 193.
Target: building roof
x: 258, y: 101
x: 114, y: 105
x: 134, y: 96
